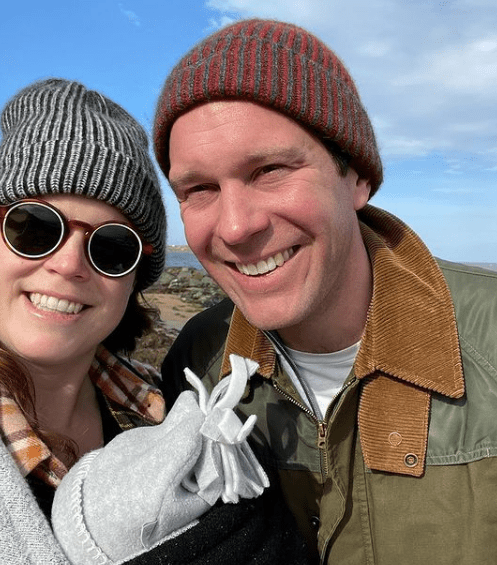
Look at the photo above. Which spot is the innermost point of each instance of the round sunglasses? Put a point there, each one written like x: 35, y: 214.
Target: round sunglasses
x: 34, y: 229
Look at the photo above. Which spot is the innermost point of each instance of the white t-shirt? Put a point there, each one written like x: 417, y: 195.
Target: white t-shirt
x: 324, y: 373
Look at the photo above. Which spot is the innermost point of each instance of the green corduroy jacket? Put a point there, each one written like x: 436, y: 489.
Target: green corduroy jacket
x: 403, y: 467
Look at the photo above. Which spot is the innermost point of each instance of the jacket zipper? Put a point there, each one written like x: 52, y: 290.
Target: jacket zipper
x: 320, y: 424
x: 321, y: 427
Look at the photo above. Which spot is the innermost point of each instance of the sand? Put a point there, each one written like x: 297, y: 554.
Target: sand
x: 173, y: 310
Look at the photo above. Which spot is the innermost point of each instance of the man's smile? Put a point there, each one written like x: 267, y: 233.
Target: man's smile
x: 265, y: 266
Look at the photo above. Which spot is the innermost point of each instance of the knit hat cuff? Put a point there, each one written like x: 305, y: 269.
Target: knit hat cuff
x: 67, y: 166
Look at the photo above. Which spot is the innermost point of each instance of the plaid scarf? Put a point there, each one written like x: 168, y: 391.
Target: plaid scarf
x: 131, y: 393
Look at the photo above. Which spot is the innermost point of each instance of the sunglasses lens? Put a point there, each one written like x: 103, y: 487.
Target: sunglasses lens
x: 33, y: 230
x: 114, y: 249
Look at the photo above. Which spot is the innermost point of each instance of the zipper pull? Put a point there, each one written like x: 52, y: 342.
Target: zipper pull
x: 322, y: 427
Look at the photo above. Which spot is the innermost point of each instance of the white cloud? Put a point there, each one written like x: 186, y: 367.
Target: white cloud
x: 470, y: 68
x: 375, y: 48
x: 218, y: 23
x: 448, y: 190
x: 292, y: 10
x: 474, y: 128
x: 471, y: 4
x: 132, y: 17
x: 404, y: 146
x: 426, y: 71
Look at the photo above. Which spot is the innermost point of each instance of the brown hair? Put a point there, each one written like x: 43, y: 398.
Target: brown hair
x: 341, y: 159
x: 138, y: 319
x: 17, y: 382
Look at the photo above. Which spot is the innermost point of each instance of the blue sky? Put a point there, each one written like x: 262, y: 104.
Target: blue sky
x: 426, y: 71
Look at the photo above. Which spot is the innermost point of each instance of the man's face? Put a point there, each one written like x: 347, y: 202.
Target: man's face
x: 267, y: 213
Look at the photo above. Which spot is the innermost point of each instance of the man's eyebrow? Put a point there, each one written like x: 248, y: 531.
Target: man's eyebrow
x: 252, y: 158
x: 183, y: 179
x: 286, y: 153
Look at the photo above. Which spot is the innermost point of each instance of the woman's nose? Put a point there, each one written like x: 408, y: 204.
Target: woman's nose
x: 70, y: 260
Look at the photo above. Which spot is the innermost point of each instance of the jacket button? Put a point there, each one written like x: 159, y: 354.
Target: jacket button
x: 315, y: 523
x: 395, y: 439
x: 411, y: 460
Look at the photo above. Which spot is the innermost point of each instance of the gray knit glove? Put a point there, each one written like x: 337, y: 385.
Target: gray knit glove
x: 152, y: 483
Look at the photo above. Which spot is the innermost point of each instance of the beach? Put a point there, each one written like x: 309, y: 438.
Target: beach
x: 180, y: 293
x: 174, y: 311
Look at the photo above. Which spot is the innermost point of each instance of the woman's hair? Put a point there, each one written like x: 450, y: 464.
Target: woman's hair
x: 16, y: 381
x: 138, y: 319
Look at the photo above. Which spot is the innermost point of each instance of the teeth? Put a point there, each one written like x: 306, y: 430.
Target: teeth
x: 44, y: 302
x: 267, y: 265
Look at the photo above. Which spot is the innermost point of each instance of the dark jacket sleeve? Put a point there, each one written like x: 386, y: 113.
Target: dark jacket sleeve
x: 259, y: 531
x: 197, y: 346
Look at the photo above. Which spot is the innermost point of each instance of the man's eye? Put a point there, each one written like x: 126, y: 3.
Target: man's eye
x: 197, y: 189
x: 270, y: 168
x: 197, y: 193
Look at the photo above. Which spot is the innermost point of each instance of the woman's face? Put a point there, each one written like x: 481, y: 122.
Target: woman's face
x: 57, y: 309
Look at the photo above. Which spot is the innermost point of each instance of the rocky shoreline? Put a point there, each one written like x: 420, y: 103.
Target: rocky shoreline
x: 194, y: 288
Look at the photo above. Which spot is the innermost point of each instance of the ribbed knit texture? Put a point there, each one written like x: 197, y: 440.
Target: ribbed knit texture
x: 281, y: 66
x: 60, y: 138
x: 25, y: 534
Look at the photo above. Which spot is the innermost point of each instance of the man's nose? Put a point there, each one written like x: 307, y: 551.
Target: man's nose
x: 242, y: 214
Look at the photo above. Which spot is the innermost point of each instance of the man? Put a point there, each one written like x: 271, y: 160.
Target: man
x: 376, y: 392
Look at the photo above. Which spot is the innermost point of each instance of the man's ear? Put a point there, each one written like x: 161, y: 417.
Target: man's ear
x: 362, y: 190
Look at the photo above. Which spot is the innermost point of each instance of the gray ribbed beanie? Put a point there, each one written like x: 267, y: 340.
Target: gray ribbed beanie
x: 60, y: 138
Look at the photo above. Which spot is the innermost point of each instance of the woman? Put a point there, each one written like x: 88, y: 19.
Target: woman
x: 83, y: 233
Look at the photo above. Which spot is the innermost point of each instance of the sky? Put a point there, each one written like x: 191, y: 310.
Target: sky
x: 426, y: 71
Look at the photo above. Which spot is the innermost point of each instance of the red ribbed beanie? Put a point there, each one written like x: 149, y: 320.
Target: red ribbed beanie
x: 278, y: 65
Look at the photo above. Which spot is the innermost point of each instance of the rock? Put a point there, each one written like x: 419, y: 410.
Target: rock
x: 191, y: 284
x: 152, y: 348
x: 194, y: 287
x: 166, y: 278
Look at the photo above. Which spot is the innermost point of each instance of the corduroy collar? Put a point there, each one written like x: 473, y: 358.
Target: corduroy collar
x: 411, y: 331
x: 410, y: 338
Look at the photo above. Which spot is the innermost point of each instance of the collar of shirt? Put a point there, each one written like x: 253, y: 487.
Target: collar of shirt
x: 132, y: 396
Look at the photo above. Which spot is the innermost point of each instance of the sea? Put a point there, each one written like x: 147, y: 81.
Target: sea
x: 182, y: 259
x: 188, y: 259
